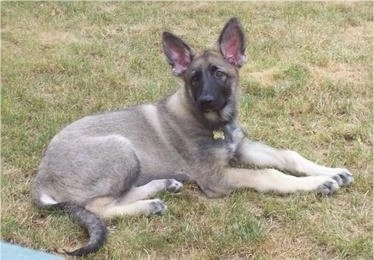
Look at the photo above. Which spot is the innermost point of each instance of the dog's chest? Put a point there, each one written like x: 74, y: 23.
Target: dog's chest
x: 221, y: 144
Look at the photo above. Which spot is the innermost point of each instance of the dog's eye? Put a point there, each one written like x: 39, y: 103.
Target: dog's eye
x: 220, y: 75
x: 194, y: 78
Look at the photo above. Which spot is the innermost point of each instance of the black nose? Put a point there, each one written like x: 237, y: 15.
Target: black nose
x: 206, y: 102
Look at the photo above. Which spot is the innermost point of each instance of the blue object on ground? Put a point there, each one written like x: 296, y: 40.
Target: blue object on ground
x: 15, y: 252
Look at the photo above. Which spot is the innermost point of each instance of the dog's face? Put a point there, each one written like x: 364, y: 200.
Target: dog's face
x: 211, y: 77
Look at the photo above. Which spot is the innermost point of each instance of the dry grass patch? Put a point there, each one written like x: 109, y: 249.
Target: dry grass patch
x: 56, y: 38
x: 268, y: 78
x: 339, y: 72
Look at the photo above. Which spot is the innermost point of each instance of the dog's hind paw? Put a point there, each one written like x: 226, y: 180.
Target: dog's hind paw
x: 173, y: 185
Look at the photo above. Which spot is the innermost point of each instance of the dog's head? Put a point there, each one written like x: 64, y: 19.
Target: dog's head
x: 211, y: 77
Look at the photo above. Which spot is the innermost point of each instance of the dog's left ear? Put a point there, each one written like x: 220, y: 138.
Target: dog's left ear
x: 232, y: 43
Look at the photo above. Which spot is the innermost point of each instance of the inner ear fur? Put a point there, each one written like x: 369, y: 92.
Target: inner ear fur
x: 232, y: 42
x: 178, y: 53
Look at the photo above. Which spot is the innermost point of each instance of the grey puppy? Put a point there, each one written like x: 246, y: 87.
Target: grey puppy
x: 111, y: 164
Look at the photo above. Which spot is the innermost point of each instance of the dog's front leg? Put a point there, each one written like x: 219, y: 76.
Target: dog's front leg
x: 271, y: 180
x: 265, y: 156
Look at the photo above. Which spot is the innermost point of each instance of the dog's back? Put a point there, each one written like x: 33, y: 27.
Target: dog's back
x: 105, y: 146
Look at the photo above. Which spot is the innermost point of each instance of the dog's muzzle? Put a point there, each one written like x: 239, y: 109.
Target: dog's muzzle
x: 208, y: 103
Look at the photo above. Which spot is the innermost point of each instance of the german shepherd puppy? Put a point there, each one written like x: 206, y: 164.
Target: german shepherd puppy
x: 111, y: 164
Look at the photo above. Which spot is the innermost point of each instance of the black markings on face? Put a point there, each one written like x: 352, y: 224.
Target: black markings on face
x: 210, y: 87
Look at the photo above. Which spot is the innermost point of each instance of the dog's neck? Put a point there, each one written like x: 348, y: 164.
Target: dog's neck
x: 177, y: 104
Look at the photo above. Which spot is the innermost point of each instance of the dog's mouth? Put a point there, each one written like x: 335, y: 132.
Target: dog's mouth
x: 212, y: 108
x: 214, y: 114
x: 207, y: 110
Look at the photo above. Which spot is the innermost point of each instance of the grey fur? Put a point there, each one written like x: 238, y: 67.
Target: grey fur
x: 111, y: 163
x: 95, y: 226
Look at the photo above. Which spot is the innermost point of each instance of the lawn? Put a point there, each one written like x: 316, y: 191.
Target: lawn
x: 307, y: 86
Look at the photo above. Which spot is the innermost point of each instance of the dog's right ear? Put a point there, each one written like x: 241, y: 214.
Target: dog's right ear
x: 178, y: 53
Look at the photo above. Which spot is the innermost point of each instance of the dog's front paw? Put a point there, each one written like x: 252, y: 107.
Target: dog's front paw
x: 328, y: 187
x: 157, y: 206
x: 343, y: 177
x: 173, y: 185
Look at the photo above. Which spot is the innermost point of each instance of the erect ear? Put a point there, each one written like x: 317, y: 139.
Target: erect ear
x: 232, y: 43
x: 178, y: 53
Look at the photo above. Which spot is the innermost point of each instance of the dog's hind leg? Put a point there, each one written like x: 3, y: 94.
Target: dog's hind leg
x: 108, y: 207
x: 265, y: 156
x: 151, y: 189
x: 135, y: 201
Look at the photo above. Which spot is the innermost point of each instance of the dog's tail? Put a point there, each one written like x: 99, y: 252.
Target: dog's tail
x: 94, y: 225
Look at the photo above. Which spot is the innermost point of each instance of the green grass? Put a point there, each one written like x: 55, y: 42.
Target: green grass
x: 307, y: 86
